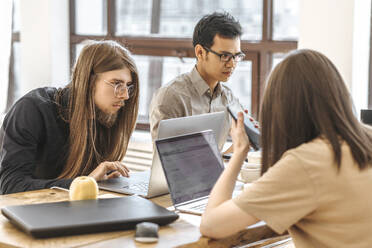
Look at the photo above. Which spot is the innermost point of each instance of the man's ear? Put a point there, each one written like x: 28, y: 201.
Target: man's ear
x: 199, y: 50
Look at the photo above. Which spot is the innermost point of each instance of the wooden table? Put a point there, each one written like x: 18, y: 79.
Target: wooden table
x: 182, y: 233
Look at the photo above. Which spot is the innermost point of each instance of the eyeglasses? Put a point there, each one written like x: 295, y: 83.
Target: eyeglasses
x: 226, y: 57
x: 120, y: 88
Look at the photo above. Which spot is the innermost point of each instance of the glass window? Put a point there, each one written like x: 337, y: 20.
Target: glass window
x: 17, y: 69
x: 76, y: 51
x: 133, y: 17
x: 78, y: 48
x: 286, y: 19
x: 241, y: 83
x: 91, y: 17
x: 14, y: 88
x: 174, y: 67
x: 277, y: 58
x: 179, y: 17
x: 16, y: 16
x: 154, y: 72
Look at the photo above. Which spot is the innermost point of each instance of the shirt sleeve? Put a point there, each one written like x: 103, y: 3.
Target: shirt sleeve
x: 282, y: 196
x: 20, y: 134
x: 165, y: 104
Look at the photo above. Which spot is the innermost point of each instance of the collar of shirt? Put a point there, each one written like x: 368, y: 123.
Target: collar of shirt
x: 200, y: 85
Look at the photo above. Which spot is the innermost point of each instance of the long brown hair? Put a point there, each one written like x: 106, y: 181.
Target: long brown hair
x: 306, y: 98
x: 90, y: 143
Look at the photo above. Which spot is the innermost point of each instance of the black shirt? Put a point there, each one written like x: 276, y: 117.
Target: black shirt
x: 33, y: 144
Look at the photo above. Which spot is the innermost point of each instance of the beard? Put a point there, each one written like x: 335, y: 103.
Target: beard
x: 107, y: 120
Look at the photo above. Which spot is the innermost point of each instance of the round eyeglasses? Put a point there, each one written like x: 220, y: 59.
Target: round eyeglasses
x: 226, y: 57
x: 120, y: 88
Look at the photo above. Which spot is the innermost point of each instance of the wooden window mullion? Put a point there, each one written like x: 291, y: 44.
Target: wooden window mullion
x: 111, y: 18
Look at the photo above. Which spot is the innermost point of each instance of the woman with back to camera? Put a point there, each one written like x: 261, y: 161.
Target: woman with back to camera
x: 51, y: 136
x: 316, y: 162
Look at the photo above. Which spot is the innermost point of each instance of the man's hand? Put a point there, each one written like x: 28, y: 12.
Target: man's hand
x: 106, y: 170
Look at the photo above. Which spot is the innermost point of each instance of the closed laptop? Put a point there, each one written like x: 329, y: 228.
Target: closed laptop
x: 88, y: 216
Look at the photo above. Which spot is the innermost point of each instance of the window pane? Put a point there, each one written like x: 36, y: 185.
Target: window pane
x: 153, y: 73
x: 277, y: 58
x: 133, y: 17
x: 16, y: 16
x: 286, y: 19
x: 17, y: 69
x: 91, y: 17
x: 173, y: 67
x: 14, y: 90
x: 157, y: 71
x: 179, y: 17
x: 77, y: 50
x: 241, y: 83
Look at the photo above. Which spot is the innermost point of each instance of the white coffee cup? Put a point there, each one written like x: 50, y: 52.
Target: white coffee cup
x: 250, y: 172
x: 254, y: 157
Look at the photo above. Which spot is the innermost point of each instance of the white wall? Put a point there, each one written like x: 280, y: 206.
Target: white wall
x: 361, y: 49
x: 44, y: 43
x: 327, y: 26
x: 5, y: 48
x: 340, y: 29
x: 60, y: 40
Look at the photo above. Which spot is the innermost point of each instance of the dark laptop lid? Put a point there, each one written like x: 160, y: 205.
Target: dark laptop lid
x: 192, y: 164
x: 77, y: 217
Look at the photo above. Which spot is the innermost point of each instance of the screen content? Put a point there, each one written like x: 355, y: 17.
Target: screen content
x: 192, y: 165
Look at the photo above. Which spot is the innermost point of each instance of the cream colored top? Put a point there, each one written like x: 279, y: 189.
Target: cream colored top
x: 186, y: 95
x: 304, y: 193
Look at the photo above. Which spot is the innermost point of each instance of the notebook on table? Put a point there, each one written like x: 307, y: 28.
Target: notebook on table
x: 78, y: 217
x: 192, y: 164
x: 153, y: 183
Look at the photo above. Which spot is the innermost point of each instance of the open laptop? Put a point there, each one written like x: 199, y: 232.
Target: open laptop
x: 153, y: 182
x: 192, y: 164
x: 88, y: 216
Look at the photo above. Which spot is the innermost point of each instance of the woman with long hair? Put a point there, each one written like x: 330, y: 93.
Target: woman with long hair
x: 50, y: 136
x: 316, y: 162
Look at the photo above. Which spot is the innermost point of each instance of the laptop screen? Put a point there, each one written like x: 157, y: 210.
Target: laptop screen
x: 192, y: 164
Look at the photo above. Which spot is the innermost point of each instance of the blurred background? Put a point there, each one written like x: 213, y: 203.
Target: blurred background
x: 40, y: 40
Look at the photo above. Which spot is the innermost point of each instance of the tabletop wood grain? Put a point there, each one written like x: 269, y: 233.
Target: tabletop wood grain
x: 182, y: 233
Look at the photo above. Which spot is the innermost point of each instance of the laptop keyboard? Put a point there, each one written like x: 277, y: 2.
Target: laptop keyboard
x: 198, y: 206
x: 142, y: 187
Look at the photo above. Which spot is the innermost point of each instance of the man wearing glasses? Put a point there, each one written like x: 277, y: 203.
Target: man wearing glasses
x: 51, y: 136
x: 216, y: 41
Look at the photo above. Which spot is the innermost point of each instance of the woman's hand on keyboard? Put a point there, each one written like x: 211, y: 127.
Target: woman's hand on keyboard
x: 106, y: 170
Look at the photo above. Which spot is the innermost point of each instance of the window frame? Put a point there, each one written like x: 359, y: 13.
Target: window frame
x: 16, y: 37
x: 260, y: 52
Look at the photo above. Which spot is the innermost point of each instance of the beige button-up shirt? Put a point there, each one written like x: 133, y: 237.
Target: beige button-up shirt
x: 186, y: 95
